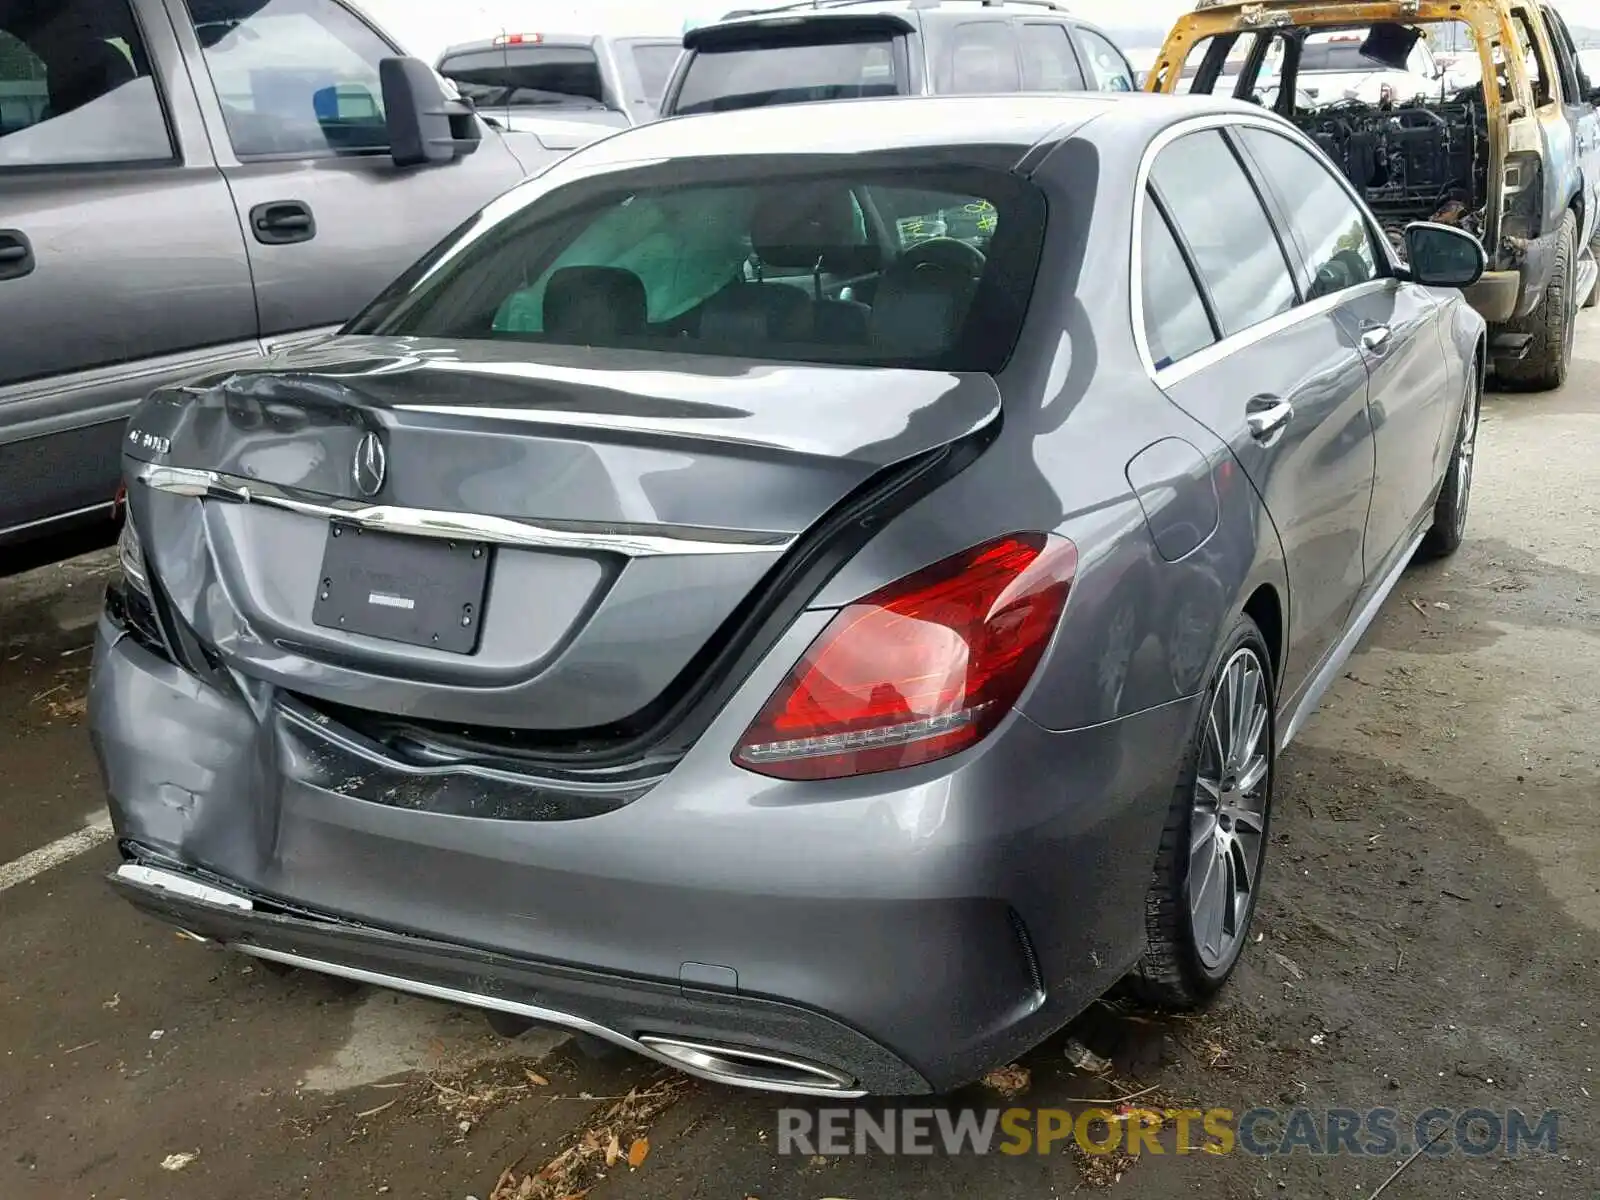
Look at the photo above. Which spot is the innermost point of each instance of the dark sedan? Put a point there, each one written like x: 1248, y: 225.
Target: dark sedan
x: 720, y: 604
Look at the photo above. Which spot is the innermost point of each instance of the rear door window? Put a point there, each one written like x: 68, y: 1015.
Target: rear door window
x: 980, y: 57
x: 1219, y: 215
x: 1049, y: 63
x: 1176, y: 323
x: 76, y: 86
x: 788, y: 72
x: 527, y: 76
x: 1107, y: 65
x: 748, y: 265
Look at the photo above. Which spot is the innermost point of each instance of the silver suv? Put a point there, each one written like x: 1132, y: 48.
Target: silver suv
x: 843, y: 49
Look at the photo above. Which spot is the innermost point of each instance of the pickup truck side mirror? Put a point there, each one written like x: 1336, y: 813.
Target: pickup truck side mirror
x: 425, y: 124
x: 1592, y: 95
x: 1443, y: 256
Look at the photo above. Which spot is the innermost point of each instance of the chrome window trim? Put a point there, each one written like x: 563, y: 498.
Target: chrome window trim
x: 630, y: 541
x: 1228, y: 344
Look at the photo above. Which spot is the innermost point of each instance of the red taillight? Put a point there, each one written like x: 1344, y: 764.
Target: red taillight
x: 918, y: 670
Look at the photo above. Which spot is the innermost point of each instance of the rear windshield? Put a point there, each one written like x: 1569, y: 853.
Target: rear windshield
x: 654, y: 64
x: 525, y: 76
x: 748, y: 76
x: 928, y: 268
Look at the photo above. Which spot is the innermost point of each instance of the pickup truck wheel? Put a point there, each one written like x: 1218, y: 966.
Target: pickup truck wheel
x: 1551, y: 322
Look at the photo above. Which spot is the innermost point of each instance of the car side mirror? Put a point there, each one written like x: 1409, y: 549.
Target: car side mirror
x: 1592, y: 96
x: 426, y: 125
x: 1443, y: 256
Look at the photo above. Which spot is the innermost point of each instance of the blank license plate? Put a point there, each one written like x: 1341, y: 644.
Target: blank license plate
x: 420, y: 591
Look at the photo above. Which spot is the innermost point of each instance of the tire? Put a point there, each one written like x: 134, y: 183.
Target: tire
x: 1551, y: 322
x: 1449, y: 526
x: 1182, y: 968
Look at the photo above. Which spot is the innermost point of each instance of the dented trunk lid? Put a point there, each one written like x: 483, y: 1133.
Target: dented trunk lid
x: 624, y: 506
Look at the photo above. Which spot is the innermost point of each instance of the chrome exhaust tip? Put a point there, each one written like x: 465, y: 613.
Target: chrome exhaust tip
x: 751, y: 1068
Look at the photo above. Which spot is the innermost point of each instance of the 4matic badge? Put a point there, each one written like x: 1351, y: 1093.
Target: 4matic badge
x: 149, y: 441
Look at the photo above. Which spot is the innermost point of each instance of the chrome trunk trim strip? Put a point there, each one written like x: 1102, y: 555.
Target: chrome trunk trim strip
x: 630, y: 541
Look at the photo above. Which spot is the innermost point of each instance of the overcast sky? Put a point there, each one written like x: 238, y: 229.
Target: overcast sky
x: 427, y: 26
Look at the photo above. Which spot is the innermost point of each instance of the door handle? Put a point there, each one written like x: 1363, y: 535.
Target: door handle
x: 16, y: 254
x: 1375, y: 337
x: 281, y: 222
x: 1266, y: 416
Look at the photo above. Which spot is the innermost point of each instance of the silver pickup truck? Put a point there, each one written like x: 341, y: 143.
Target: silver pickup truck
x: 566, y: 90
x: 189, y: 183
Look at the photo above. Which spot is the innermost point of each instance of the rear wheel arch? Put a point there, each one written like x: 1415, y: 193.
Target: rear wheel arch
x: 1265, y: 608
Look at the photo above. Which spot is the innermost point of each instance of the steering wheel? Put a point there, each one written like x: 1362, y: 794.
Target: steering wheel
x: 944, y: 253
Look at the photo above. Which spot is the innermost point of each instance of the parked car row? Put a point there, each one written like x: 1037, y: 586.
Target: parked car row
x: 811, y: 590
x: 191, y: 183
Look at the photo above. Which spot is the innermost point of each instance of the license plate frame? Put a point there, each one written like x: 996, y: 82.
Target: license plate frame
x: 414, y: 591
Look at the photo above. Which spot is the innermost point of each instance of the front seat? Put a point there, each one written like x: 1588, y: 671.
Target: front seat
x: 917, y: 314
x: 594, y: 305
x: 814, y: 229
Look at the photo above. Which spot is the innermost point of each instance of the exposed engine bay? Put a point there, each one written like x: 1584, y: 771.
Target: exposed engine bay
x: 1415, y: 161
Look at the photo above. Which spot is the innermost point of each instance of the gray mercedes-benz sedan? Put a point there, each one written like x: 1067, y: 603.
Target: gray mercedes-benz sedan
x: 813, y: 595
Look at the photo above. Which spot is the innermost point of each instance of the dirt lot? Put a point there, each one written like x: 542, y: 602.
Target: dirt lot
x: 1431, y: 937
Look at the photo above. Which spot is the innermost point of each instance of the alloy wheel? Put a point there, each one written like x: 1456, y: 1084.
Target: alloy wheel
x: 1228, y: 820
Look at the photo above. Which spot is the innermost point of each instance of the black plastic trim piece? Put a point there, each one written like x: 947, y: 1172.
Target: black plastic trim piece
x: 628, y: 1005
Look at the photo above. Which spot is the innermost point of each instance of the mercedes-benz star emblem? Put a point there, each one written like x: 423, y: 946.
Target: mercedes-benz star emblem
x: 369, y: 466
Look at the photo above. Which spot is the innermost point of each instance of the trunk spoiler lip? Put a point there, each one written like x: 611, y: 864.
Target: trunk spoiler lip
x: 630, y: 541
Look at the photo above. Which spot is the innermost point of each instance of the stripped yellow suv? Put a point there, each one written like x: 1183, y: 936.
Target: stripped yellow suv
x: 1472, y: 112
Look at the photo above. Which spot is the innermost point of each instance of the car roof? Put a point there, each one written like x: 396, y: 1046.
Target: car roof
x: 910, y: 10
x: 984, y: 124
x: 558, y: 40
x: 545, y: 39
x: 822, y: 7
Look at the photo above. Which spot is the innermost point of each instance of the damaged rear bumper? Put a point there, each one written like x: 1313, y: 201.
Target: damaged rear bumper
x: 892, y: 935
x: 746, y: 1041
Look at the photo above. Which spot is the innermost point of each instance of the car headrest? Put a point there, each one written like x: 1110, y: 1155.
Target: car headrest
x: 797, y: 227
x: 759, y: 312
x: 917, y: 314
x: 595, y: 303
x: 91, y: 69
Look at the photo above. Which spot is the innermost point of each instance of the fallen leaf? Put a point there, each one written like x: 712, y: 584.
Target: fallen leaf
x: 613, y: 1150
x: 638, y: 1152
x: 177, y: 1162
x: 536, y: 1079
x: 1008, y: 1081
